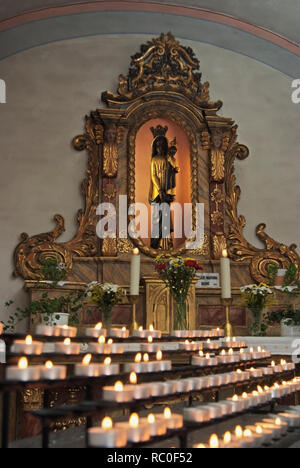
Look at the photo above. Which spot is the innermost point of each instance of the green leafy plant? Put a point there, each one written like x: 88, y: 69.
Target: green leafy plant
x: 48, y: 308
x: 291, y: 277
x: 290, y: 315
x: 53, y: 270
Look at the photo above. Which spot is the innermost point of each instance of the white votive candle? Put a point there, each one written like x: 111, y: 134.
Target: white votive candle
x: 86, y: 369
x: 119, y: 332
x: 173, y: 421
x: 22, y: 372
x: 45, y: 330
x: 141, y: 391
x: 67, y: 347
x: 157, y: 426
x: 119, y: 392
x: 53, y: 372
x: 27, y: 346
x: 107, y: 435
x: 137, y: 431
x: 96, y: 331
x: 65, y: 330
x: 100, y: 347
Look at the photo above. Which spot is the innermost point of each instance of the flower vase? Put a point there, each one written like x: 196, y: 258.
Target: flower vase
x: 257, y: 326
x: 106, y: 313
x: 180, y: 320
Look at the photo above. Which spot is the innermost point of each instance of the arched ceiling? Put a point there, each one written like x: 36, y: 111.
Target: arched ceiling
x: 278, y: 16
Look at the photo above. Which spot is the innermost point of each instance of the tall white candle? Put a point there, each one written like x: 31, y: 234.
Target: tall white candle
x: 135, y: 267
x: 225, y: 275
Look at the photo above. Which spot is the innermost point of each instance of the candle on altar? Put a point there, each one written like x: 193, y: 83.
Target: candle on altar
x: 86, y: 369
x: 27, y: 346
x: 139, y: 391
x: 107, y: 435
x: 66, y: 347
x: 173, y: 421
x: 119, y: 392
x: 160, y: 364
x: 96, y: 331
x: 137, y: 430
x: 135, y: 267
x: 225, y: 276
x: 51, y: 372
x: 22, y: 371
x: 157, y: 426
x: 100, y: 347
x: 65, y: 330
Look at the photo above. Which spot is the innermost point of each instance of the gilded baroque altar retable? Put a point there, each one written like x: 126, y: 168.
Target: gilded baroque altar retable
x: 163, y: 87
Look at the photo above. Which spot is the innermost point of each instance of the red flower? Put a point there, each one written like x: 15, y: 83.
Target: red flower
x: 192, y: 264
x: 160, y: 266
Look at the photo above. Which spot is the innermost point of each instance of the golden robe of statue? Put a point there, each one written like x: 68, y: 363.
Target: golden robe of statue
x: 162, y: 186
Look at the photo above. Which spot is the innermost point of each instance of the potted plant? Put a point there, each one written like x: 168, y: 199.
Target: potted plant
x: 53, y: 271
x: 288, y: 317
x: 48, y: 310
x: 178, y: 274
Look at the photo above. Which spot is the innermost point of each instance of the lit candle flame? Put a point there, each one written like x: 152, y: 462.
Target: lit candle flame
x: 150, y: 339
x: 28, y: 340
x: 200, y: 446
x: 67, y: 341
x: 107, y: 423
x: 151, y: 418
x: 159, y: 355
x: 244, y: 395
x: 138, y: 357
x: 23, y: 363
x: 273, y: 363
x: 201, y: 353
x: 224, y: 253
x: 98, y: 326
x: 101, y: 339
x: 235, y: 398
x: 87, y: 359
x: 208, y: 340
x: 230, y: 351
x: 134, y: 420
x: 247, y: 433
x: 49, y: 365
x: 118, y: 387
x: 227, y: 438
x: 123, y: 329
x: 238, y: 432
x: 214, y: 441
x: 140, y: 328
x: 282, y: 362
x: 207, y: 356
x: 135, y: 251
x: 259, y: 389
x: 223, y: 352
x: 151, y: 327
x: 146, y: 357
x: 110, y: 341
x: 167, y: 413
x: 278, y: 422
x: 258, y: 430
x: 107, y: 361
x: 133, y: 378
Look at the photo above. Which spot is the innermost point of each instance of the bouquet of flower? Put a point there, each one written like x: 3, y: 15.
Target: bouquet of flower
x: 178, y: 274
x: 256, y: 297
x: 105, y: 296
